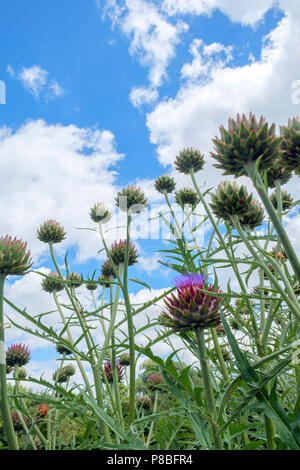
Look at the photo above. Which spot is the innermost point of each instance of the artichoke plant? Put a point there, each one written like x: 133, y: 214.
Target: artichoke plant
x: 100, y: 213
x: 117, y: 252
x: 15, y: 259
x: 130, y: 197
x: 188, y: 160
x: 52, y: 283
x: 17, y: 355
x: 165, y: 184
x: 51, y: 232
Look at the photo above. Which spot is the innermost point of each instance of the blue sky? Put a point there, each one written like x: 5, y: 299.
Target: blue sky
x: 70, y: 69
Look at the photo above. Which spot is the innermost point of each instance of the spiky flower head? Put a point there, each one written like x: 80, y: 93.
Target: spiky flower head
x: 279, y: 254
x: 51, y: 232
x: 42, y: 411
x: 63, y: 349
x: 15, y: 259
x: 107, y: 271
x: 287, y: 200
x: 291, y: 145
x: 22, y: 373
x: 52, y: 283
x: 131, y: 200
x: 230, y: 199
x: 187, y: 196
x: 155, y: 381
x: 100, y: 213
x: 118, y: 250
x: 190, y: 308
x: 244, y: 142
x: 62, y: 375
x: 124, y: 359
x: 91, y: 285
x: 189, y: 159
x: 108, y: 371
x: 17, y: 423
x: 70, y: 370
x: 254, y: 216
x: 277, y: 173
x: 165, y: 184
x: 17, y: 355
x: 75, y: 279
x: 144, y: 401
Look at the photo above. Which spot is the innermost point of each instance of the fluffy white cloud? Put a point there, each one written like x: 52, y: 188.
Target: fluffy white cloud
x: 55, y: 172
x: 35, y: 80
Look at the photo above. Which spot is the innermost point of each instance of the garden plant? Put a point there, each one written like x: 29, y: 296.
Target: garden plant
x: 242, y: 390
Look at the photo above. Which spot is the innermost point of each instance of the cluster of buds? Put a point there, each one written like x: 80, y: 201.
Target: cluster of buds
x: 244, y: 142
x: 165, y: 184
x: 108, y: 371
x: 62, y: 375
x: 100, y: 213
x: 190, y: 308
x: 15, y: 259
x: 144, y: 401
x: 188, y: 160
x: 131, y: 200
x: 118, y: 251
x: 155, y: 381
x: 52, y: 283
x: 17, y: 355
x: 51, y: 232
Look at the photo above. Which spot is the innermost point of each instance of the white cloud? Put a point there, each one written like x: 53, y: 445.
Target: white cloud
x: 55, y: 172
x: 36, y: 81
x: 142, y: 95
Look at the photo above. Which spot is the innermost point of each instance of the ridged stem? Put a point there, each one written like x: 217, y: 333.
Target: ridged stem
x: 4, y: 406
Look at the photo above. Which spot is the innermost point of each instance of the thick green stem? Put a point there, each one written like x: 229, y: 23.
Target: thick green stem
x: 209, y: 392
x: 221, y: 361
x: 4, y: 406
x: 289, y: 250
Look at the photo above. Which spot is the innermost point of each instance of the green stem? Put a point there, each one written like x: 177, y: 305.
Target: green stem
x: 289, y: 250
x: 218, y: 350
x: 4, y: 406
x: 209, y: 392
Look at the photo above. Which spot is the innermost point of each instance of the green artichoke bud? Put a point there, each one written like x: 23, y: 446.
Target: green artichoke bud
x: 51, y: 232
x: 62, y: 349
x: 254, y: 217
x: 118, y: 250
x: 245, y: 141
x: 62, y: 375
x: 75, y: 280
x: 155, y: 381
x: 277, y: 173
x: 14, y: 257
x: 230, y: 199
x: 291, y: 145
x: 165, y: 184
x: 52, y: 283
x: 287, y: 200
x: 131, y: 200
x: 187, y: 196
x: 188, y: 160
x: 91, y: 285
x: 124, y: 359
x: 107, y: 271
x: 100, y: 213
x: 69, y: 370
x: 22, y: 373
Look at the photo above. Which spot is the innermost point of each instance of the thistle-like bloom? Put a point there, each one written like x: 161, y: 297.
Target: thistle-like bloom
x: 277, y: 173
x: 62, y: 375
x: 51, y: 231
x: 75, y: 280
x: 291, y: 145
x: 131, y: 199
x: 189, y: 159
x: 144, y: 401
x: 52, y: 283
x: 117, y: 252
x: 124, y: 359
x: 15, y: 259
x: 91, y: 285
x: 62, y: 349
x: 100, y: 213
x: 42, y: 411
x: 245, y: 141
x: 190, y: 308
x: 107, y: 271
x: 187, y: 196
x: 108, y: 371
x: 17, y: 355
x: 155, y: 381
x: 165, y: 184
